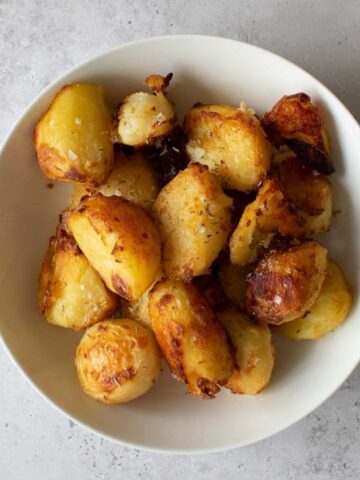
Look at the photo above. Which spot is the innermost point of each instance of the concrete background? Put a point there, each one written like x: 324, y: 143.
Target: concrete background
x: 38, y: 41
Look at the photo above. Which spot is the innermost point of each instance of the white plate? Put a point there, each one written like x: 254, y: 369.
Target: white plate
x: 206, y: 69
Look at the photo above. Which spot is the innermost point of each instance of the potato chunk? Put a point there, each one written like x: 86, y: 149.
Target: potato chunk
x: 71, y: 293
x: 329, y: 310
x: 73, y: 137
x: 254, y: 352
x: 142, y: 117
x: 285, y: 284
x: 117, y: 361
x: 132, y: 178
x: 296, y: 122
x: 233, y: 281
x: 231, y: 142
x: 194, y: 217
x: 192, y: 341
x: 121, y: 242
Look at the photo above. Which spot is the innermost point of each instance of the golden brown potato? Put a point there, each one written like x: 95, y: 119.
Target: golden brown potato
x: 132, y: 178
x: 254, y: 352
x: 285, y: 284
x: 295, y: 121
x: 231, y: 142
x: 73, y: 137
x: 233, y: 281
x: 192, y: 341
x: 71, y: 293
x: 269, y: 213
x: 329, y: 310
x: 117, y: 361
x: 309, y: 191
x: 143, y: 117
x: 121, y: 242
x: 194, y: 217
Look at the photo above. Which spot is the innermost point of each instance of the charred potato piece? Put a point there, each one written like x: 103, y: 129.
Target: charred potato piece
x: 309, y: 191
x: 117, y: 361
x: 231, y: 142
x: 194, y: 217
x: 71, y: 293
x: 329, y: 310
x: 285, y: 284
x: 132, y: 178
x: 143, y: 117
x: 295, y: 121
x: 254, y: 352
x: 192, y: 341
x: 73, y: 137
x: 121, y: 242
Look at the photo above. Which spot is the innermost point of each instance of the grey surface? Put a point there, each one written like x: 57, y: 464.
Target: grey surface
x: 38, y: 41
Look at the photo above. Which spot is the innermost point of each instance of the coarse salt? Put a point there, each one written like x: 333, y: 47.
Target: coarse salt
x: 277, y: 299
x: 78, y: 121
x: 72, y: 155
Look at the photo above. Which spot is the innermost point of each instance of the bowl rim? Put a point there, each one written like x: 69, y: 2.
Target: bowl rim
x: 7, y: 137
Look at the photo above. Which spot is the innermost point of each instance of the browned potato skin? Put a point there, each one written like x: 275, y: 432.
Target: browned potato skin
x: 253, y: 349
x: 71, y: 293
x: 230, y: 142
x: 284, y: 285
x: 117, y: 360
x: 132, y: 178
x: 192, y: 341
x: 121, y: 242
x: 295, y: 121
x: 73, y: 137
x: 194, y: 217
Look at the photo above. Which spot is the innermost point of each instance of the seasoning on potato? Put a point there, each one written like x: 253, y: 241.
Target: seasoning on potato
x: 194, y: 217
x: 143, y: 117
x: 231, y: 142
x: 117, y: 361
x: 191, y: 339
x: 73, y: 137
x: 328, y: 312
x: 120, y: 240
x: 285, y: 284
x: 71, y: 293
x: 254, y: 352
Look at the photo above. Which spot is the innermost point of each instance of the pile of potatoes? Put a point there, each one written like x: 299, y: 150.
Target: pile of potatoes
x: 193, y: 242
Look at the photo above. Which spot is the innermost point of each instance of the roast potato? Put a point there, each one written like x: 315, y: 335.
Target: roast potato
x: 117, y: 361
x: 329, y: 310
x: 254, y: 352
x: 194, y: 217
x: 296, y: 122
x: 285, y: 284
x: 192, y: 341
x: 132, y: 178
x: 233, y: 281
x: 71, y: 293
x: 121, y: 242
x: 73, y: 137
x: 143, y: 117
x: 231, y: 142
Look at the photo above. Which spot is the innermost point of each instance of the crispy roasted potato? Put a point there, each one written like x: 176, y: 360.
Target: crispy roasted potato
x: 296, y: 122
x: 285, y: 284
x: 121, y: 242
x: 192, y: 341
x: 194, y: 217
x: 254, y: 352
x: 211, y: 289
x: 309, y: 191
x: 71, y: 293
x: 329, y: 310
x: 117, y: 361
x: 231, y: 142
x: 268, y: 214
x: 142, y: 117
x: 233, y: 281
x: 73, y: 137
x: 132, y: 178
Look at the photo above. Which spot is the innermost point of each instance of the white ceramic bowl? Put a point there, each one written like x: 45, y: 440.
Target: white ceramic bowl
x: 206, y: 69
